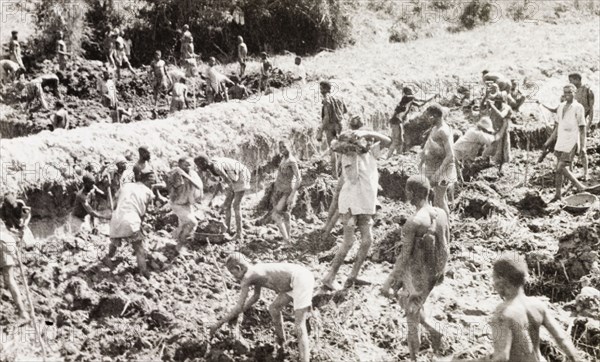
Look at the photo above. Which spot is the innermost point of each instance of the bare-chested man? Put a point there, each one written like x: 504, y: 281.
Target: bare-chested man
x: 266, y: 68
x: 420, y: 266
x: 242, y: 53
x: 61, y: 51
x: 14, y: 49
x: 188, y: 57
x: 9, y: 71
x: 60, y: 118
x: 437, y: 159
x: 292, y: 282
x: 162, y: 79
x: 34, y: 89
x: 179, y: 94
x: 517, y: 320
x: 585, y: 96
x: 120, y: 54
x: 217, y: 83
x: 286, y: 186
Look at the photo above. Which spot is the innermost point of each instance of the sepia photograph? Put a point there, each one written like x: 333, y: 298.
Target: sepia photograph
x: 299, y: 180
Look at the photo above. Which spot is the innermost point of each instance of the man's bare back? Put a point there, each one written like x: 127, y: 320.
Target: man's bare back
x: 516, y: 325
x: 274, y: 276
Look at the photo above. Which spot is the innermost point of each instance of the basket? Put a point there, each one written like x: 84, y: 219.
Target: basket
x: 580, y: 202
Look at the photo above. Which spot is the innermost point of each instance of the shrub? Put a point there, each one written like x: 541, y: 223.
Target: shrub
x: 475, y: 13
x: 521, y: 10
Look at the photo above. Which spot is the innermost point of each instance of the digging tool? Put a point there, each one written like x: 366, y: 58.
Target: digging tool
x: 28, y: 294
x: 214, y: 261
x: 110, y: 199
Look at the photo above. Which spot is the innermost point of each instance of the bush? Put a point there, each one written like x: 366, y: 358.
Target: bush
x: 521, y: 10
x: 475, y: 13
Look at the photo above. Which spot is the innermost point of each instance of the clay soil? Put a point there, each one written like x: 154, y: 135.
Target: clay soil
x: 89, y: 312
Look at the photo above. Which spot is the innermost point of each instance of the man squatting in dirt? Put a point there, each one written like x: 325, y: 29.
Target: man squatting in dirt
x: 292, y: 282
x: 237, y: 176
x: 332, y: 113
x: 569, y: 136
x: 162, y: 79
x: 286, y: 187
x: 135, y: 200
x: 14, y: 217
x: 517, y: 320
x: 83, y: 214
x: 422, y: 262
x: 437, y: 159
x: 358, y: 196
x: 185, y: 189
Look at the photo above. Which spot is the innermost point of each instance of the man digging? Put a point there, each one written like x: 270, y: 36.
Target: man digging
x: 291, y: 282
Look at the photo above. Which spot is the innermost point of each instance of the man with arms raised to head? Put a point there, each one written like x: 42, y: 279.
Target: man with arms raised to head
x: 358, y: 197
x: 422, y: 262
x: 517, y: 320
x: 185, y: 188
x: 437, y: 159
x: 291, y: 282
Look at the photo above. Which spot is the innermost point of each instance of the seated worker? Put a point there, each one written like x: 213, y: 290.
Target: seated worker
x: 517, y: 320
x: 238, y: 90
x: 291, y: 282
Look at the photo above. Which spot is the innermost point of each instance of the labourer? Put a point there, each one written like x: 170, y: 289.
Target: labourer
x: 585, y: 96
x: 421, y: 263
x: 179, y: 93
x: 517, y: 320
x: 500, y: 82
x: 284, y: 194
x: 120, y: 54
x: 298, y: 72
x: 61, y: 52
x: 399, y: 118
x: 109, y: 46
x: 242, y: 54
x: 569, y: 136
x: 34, y: 89
x: 333, y: 214
x: 237, y: 176
x: 332, y: 115
x: 437, y: 159
x: 60, y: 118
x: 188, y: 57
x: 185, y: 189
x: 515, y: 98
x: 135, y: 200
x: 107, y: 90
x: 186, y: 36
x: 217, y: 83
x: 162, y: 79
x: 237, y: 90
x: 9, y: 71
x: 292, y: 283
x: 114, y: 176
x: 476, y: 141
x: 358, y: 197
x: 14, y: 216
x: 266, y: 68
x: 500, y: 113
x: 83, y: 215
x: 14, y: 49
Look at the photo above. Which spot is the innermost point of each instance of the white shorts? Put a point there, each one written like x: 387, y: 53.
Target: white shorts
x: 303, y: 283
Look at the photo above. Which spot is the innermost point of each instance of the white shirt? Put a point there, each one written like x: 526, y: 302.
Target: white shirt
x: 568, y: 126
x: 299, y: 72
x: 133, y: 201
x: 361, y: 181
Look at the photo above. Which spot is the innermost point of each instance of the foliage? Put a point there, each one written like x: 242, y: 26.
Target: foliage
x: 59, y: 15
x: 475, y: 13
x: 521, y: 10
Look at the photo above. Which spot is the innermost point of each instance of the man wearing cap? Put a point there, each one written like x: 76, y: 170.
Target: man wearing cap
x: 60, y: 118
x: 82, y: 216
x: 474, y: 141
x: 185, y: 189
x: 569, y: 136
x: 265, y: 71
x: 437, y: 159
x: 358, y: 197
x: 14, y: 49
x: 179, y: 94
x: 242, y: 53
x: 332, y: 115
x: 238, y: 177
x: 135, y: 199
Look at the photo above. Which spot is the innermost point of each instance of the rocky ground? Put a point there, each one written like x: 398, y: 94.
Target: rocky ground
x: 90, y: 312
